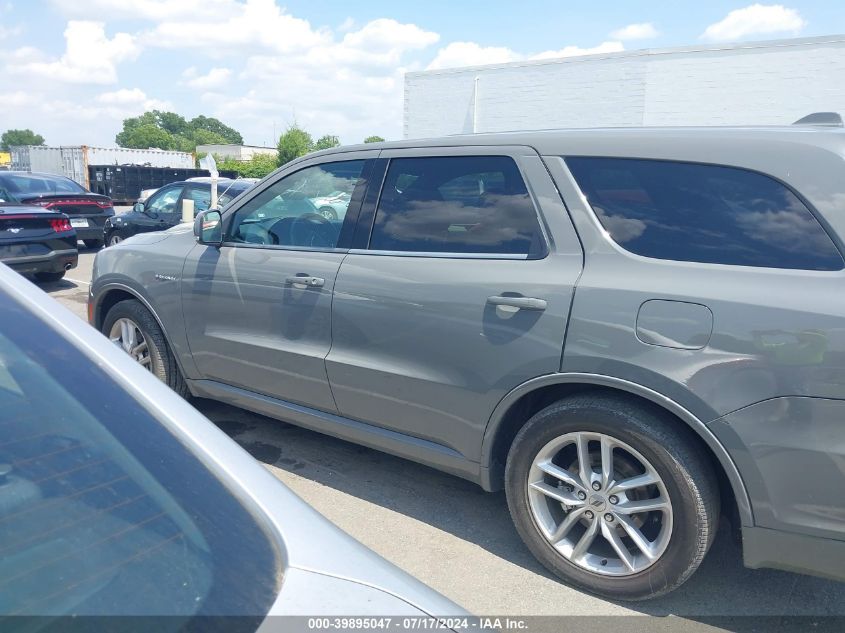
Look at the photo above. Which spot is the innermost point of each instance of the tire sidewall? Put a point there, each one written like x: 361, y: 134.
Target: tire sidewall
x: 655, y: 443
x: 137, y: 313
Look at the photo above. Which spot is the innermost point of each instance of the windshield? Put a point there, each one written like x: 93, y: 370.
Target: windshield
x: 31, y: 185
x: 102, y: 510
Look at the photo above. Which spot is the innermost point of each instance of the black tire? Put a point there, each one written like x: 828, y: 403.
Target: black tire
x: 113, y: 238
x: 674, y: 452
x: 164, y: 365
x: 93, y: 243
x: 50, y: 277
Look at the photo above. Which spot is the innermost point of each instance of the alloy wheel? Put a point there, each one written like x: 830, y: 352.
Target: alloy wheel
x: 600, y: 504
x: 126, y: 334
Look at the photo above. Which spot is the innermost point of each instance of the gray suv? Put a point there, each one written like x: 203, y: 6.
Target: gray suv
x: 632, y: 331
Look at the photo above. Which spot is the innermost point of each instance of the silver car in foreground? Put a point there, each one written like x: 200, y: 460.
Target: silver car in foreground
x: 634, y: 332
x: 117, y: 498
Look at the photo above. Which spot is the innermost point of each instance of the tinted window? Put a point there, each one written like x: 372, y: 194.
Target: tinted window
x: 201, y: 197
x: 460, y: 204
x: 163, y: 202
x: 703, y: 213
x: 306, y: 208
x: 102, y: 510
x: 35, y: 185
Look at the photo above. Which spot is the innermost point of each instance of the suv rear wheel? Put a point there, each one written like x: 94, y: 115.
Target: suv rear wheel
x: 612, y: 496
x: 132, y: 327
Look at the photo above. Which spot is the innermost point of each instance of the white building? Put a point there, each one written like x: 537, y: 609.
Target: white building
x: 238, y: 152
x: 756, y: 83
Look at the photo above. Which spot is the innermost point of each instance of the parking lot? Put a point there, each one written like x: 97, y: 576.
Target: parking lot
x: 460, y: 540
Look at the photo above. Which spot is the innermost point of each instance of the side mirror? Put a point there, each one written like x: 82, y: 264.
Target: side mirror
x: 208, y: 227
x: 139, y: 207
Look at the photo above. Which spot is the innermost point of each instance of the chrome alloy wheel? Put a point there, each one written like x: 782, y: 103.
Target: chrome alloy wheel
x: 126, y: 334
x: 600, y: 504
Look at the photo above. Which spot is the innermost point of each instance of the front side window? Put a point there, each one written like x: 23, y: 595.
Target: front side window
x: 456, y: 204
x: 703, y: 213
x: 306, y: 208
x: 164, y: 202
x: 102, y: 510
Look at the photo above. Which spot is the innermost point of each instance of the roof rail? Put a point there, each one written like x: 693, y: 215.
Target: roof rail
x: 828, y: 119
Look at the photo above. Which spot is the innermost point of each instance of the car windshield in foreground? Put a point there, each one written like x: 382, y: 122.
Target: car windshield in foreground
x: 31, y: 185
x: 102, y: 510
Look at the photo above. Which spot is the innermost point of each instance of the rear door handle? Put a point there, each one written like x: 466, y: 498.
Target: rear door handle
x: 306, y: 280
x: 522, y: 303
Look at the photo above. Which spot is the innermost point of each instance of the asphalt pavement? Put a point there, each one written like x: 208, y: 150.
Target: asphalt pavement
x: 460, y: 540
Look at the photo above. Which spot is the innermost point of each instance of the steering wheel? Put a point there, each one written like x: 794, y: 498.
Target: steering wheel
x: 312, y: 229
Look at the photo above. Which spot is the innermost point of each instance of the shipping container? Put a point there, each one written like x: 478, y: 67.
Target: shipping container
x: 74, y: 161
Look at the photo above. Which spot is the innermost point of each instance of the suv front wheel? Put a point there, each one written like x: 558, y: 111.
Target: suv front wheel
x: 132, y: 327
x: 612, y: 495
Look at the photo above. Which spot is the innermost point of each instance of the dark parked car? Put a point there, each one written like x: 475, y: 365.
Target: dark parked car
x: 36, y: 241
x: 117, y: 498
x: 87, y: 211
x: 632, y: 331
x: 163, y: 209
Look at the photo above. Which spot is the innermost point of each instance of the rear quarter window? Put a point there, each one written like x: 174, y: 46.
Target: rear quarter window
x: 703, y: 213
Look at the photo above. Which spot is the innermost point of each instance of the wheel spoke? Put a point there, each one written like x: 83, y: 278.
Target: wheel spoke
x: 612, y: 536
x: 557, y: 494
x: 586, y: 540
x: 639, y: 481
x: 145, y: 361
x: 566, y: 525
x: 642, y: 505
x: 139, y: 348
x: 124, y: 336
x: 606, y: 461
x: 637, y: 537
x: 585, y: 470
x: 559, y: 473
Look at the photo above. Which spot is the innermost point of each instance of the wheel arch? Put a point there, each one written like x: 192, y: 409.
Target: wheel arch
x: 514, y: 410
x: 113, y: 293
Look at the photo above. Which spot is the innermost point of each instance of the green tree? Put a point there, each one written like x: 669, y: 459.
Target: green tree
x: 174, y: 132
x: 19, y: 137
x: 257, y: 167
x: 295, y: 142
x: 207, y: 124
x: 145, y: 136
x: 327, y: 142
x: 374, y: 139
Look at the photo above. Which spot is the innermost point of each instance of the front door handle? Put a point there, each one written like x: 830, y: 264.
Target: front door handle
x: 306, y: 280
x: 521, y: 303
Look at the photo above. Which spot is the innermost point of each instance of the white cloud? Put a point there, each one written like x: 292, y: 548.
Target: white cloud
x: 756, y: 19
x: 639, y: 31
x: 576, y: 51
x: 214, y: 78
x: 134, y: 101
x: 458, y: 54
x: 90, y: 57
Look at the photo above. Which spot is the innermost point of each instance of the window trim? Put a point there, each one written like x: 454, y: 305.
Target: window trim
x: 352, y: 211
x: 838, y: 245
x: 369, y: 214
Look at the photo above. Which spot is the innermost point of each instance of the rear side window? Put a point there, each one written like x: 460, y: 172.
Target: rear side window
x: 458, y: 204
x: 703, y: 213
